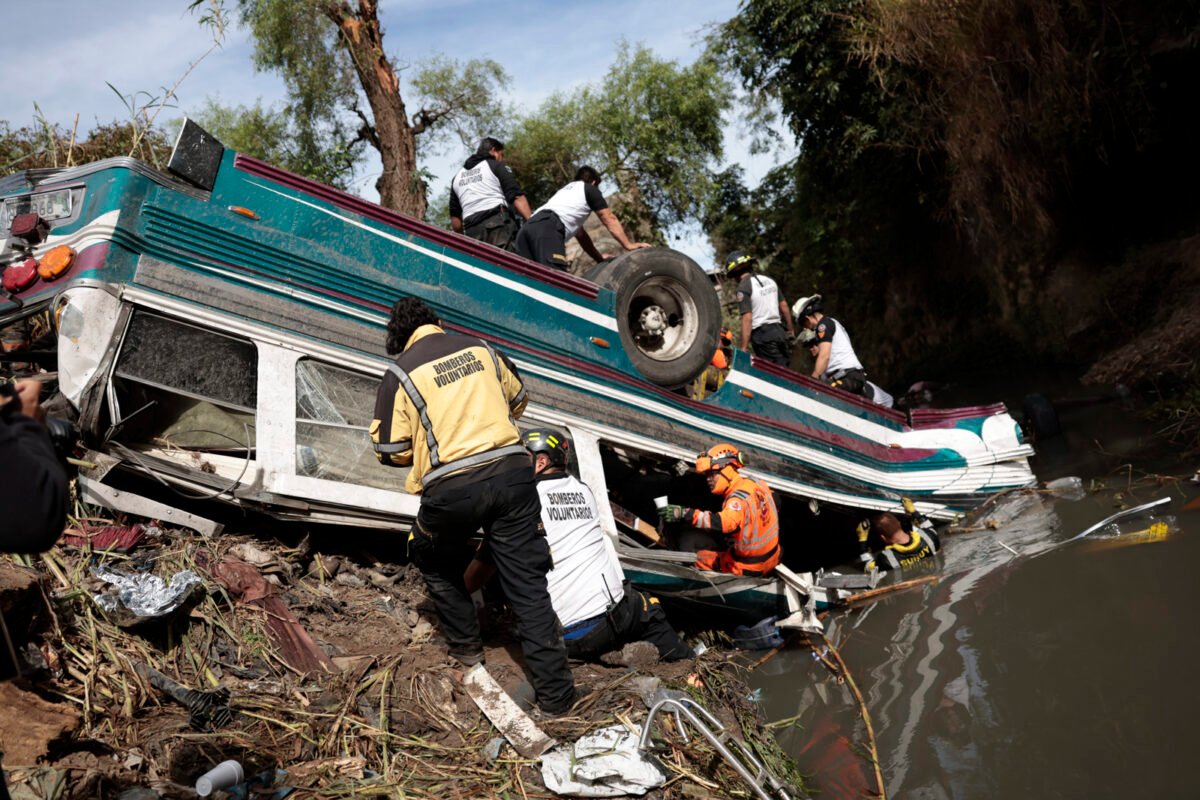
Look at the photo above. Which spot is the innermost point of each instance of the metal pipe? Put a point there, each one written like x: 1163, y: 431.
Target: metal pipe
x: 680, y: 707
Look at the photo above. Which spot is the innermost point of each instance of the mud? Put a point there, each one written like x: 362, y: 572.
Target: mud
x: 390, y: 714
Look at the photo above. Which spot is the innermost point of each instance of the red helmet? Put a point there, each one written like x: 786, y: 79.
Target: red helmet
x: 723, y: 459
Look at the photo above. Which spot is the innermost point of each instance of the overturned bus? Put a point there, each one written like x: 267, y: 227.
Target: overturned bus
x: 220, y: 326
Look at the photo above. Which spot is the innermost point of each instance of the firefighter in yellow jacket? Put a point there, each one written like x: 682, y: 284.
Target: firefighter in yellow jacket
x: 747, y: 518
x: 446, y: 407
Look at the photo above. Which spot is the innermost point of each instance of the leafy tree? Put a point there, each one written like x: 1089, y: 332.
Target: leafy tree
x: 949, y: 152
x: 651, y: 125
x: 322, y: 48
x: 275, y: 137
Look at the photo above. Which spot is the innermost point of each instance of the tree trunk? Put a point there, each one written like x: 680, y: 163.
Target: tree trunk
x: 400, y: 186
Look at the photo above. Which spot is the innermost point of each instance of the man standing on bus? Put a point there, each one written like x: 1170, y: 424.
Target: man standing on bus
x: 483, y: 196
x: 544, y: 237
x: 748, y: 518
x: 446, y: 408
x: 765, y: 316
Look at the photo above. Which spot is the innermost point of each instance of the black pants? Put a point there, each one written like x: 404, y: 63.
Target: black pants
x: 634, y: 619
x: 497, y: 227
x: 853, y: 381
x: 770, y: 341
x: 507, y: 507
x: 544, y: 239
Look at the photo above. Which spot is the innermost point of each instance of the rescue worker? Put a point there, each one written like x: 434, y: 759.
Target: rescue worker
x: 904, y: 545
x: 836, y: 362
x: 766, y: 318
x: 446, y: 407
x: 747, y: 518
x: 599, y: 611
x: 873, y: 391
x: 483, y: 196
x: 544, y: 237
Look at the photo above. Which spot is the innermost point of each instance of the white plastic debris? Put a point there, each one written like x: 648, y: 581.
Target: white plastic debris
x: 605, y: 763
x: 145, y: 596
x: 1069, y: 488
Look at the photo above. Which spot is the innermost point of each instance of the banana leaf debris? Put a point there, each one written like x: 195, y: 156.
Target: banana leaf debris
x: 320, y: 669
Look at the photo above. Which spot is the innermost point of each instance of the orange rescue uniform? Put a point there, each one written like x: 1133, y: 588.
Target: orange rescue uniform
x: 749, y: 519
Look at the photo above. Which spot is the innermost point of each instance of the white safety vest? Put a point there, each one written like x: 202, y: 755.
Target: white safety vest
x: 587, y: 576
x: 478, y: 189
x: 764, y: 299
x: 570, y: 204
x: 841, y: 354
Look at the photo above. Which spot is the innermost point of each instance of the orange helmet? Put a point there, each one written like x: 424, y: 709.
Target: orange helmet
x: 723, y: 459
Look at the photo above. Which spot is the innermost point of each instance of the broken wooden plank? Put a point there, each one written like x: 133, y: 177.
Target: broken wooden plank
x: 634, y: 523
x: 521, y: 732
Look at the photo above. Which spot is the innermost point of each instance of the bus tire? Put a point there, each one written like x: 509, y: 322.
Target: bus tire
x: 668, y: 313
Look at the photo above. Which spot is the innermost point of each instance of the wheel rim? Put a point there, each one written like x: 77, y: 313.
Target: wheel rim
x: 663, y: 319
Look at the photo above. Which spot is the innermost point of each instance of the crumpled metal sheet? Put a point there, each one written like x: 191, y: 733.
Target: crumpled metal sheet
x: 605, y: 763
x: 145, y: 596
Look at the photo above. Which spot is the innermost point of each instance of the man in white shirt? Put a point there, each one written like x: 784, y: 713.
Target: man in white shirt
x: 836, y: 362
x: 544, y: 237
x: 872, y: 391
x: 764, y: 310
x: 598, y: 610
x: 483, y: 196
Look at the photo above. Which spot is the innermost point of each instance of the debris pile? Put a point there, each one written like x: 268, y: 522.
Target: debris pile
x: 144, y: 666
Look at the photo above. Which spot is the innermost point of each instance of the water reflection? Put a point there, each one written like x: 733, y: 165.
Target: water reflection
x: 1034, y: 667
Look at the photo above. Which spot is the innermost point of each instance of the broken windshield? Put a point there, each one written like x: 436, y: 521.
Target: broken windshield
x: 334, y: 406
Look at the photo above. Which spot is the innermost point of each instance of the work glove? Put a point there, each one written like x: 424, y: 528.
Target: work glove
x: 864, y: 530
x: 910, y: 508
x: 672, y: 513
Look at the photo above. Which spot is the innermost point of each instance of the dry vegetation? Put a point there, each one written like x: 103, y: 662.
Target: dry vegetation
x: 390, y: 720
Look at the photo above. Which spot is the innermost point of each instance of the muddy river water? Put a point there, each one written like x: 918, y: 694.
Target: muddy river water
x: 1034, y: 667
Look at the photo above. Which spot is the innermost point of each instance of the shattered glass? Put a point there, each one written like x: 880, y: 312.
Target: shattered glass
x: 334, y: 406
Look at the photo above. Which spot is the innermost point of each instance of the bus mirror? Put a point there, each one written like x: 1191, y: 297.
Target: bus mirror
x: 196, y: 156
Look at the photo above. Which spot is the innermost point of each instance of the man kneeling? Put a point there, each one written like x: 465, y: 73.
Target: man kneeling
x: 599, y: 611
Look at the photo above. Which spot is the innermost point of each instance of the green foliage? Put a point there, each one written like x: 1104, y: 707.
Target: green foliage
x: 949, y: 151
x: 793, y: 56
x: 464, y: 99
x: 546, y: 147
x: 823, y: 221
x: 294, y: 39
x: 651, y: 125
x: 272, y: 136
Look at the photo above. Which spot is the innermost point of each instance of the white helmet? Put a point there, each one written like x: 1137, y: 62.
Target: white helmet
x: 801, y: 305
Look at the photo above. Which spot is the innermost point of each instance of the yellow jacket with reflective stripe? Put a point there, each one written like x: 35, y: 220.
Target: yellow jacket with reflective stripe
x: 449, y: 403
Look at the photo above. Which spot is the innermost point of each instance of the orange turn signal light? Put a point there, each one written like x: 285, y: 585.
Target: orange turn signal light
x: 596, y: 340
x: 245, y: 212
x: 56, y: 262
x: 747, y: 393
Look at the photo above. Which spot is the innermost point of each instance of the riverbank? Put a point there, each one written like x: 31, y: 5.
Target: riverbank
x: 318, y: 671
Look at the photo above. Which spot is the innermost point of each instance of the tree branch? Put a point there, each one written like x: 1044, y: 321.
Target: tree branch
x: 366, y: 131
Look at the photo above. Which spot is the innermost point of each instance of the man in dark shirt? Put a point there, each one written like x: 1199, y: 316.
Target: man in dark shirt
x: 483, y: 196
x: 446, y: 408
x: 33, y: 482
x: 544, y: 237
